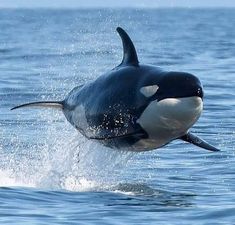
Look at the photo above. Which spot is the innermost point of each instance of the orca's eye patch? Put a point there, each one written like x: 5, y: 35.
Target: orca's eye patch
x: 149, y: 91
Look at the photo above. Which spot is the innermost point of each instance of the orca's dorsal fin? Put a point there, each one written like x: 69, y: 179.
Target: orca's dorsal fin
x: 129, y: 52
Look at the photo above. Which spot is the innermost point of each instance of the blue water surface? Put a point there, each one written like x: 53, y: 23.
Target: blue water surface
x: 50, y: 174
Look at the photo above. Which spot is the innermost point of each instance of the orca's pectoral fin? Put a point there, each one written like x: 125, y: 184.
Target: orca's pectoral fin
x: 50, y: 104
x: 193, y: 139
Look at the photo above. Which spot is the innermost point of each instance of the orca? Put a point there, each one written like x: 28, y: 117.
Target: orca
x: 134, y: 106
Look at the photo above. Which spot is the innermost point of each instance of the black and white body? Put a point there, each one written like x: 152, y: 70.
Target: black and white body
x: 135, y: 107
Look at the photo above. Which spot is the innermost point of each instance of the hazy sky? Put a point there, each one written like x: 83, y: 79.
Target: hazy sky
x: 115, y: 3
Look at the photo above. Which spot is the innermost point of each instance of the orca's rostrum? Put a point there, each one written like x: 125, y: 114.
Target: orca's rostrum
x: 134, y: 106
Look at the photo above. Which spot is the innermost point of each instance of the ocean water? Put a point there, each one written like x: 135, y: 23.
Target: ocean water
x: 50, y: 174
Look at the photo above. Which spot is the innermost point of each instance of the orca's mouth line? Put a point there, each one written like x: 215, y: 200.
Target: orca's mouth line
x: 178, y: 97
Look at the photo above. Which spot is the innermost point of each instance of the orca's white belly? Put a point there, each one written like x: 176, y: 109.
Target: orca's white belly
x: 167, y: 120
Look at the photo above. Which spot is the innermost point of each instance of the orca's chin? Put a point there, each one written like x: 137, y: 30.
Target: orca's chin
x: 171, y: 118
x: 180, y: 113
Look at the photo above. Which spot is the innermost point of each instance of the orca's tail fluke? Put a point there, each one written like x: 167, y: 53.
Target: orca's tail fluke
x: 49, y: 104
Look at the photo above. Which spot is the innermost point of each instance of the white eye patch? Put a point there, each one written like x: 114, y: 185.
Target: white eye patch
x: 149, y: 91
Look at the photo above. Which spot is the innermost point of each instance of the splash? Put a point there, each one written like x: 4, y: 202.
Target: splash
x: 84, y: 166
x: 59, y: 158
x: 6, y: 179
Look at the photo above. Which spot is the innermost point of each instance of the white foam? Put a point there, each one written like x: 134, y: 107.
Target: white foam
x: 72, y: 183
x: 124, y: 192
x: 8, y: 180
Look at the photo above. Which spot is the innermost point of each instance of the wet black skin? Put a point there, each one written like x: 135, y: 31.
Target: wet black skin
x: 113, y: 102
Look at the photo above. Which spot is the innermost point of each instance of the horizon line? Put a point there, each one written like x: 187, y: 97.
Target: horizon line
x: 117, y: 7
